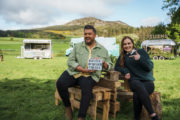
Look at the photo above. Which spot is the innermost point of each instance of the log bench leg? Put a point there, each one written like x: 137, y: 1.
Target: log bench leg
x: 94, y: 109
x: 155, y: 98
x: 105, y: 110
x: 57, y: 98
x: 56, y: 102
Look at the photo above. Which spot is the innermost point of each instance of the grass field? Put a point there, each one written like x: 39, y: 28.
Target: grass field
x: 27, y: 86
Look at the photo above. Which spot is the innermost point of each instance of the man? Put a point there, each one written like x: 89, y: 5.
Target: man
x: 79, y: 74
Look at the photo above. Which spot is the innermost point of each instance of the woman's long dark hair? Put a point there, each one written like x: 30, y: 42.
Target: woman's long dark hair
x: 122, y: 52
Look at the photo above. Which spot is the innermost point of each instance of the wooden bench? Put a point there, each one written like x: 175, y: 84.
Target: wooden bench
x: 155, y: 98
x: 125, y: 93
x: 110, y: 80
x: 117, y: 87
x: 108, y: 85
x: 101, y: 99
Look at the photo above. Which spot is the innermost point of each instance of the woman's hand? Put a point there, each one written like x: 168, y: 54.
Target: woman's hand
x: 127, y: 76
x: 136, y: 56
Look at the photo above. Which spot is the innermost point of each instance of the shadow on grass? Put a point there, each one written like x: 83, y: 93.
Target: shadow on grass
x: 29, y: 99
x: 33, y: 99
x: 171, y: 109
x: 126, y: 110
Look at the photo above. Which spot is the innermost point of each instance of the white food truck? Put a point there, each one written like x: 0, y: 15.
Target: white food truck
x: 37, y: 49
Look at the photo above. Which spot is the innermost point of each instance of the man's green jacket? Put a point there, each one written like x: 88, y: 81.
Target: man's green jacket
x: 80, y: 54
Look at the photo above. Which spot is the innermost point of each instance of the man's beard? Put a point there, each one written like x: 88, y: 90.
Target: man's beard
x: 90, y: 41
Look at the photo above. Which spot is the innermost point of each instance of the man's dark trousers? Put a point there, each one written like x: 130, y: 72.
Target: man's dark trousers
x: 86, y: 84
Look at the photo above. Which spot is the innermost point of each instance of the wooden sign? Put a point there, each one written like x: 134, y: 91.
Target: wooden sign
x: 95, y: 64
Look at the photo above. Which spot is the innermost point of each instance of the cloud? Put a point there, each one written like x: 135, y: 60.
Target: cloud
x: 151, y: 21
x: 25, y: 12
x: 41, y: 12
x: 117, y: 1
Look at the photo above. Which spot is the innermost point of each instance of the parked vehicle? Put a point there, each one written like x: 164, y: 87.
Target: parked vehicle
x: 160, y: 49
x: 178, y: 49
x: 108, y: 42
x: 37, y: 49
x: 1, y: 55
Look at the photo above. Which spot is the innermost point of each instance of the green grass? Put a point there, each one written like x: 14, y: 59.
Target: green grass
x: 167, y: 74
x: 27, y: 88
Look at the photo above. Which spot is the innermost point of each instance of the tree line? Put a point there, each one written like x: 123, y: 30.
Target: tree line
x: 30, y: 34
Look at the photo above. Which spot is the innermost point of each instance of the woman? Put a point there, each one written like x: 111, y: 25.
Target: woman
x: 137, y: 68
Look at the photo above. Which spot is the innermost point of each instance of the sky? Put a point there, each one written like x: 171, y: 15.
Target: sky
x: 27, y: 14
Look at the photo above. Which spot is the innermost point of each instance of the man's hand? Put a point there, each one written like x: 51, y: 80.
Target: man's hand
x: 88, y: 71
x: 105, y: 65
x: 127, y: 76
x: 84, y: 70
x: 136, y: 56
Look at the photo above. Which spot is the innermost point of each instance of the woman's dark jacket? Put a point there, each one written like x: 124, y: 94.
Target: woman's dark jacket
x: 139, y: 69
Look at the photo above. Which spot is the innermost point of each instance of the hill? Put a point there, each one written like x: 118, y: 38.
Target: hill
x: 93, y: 21
x: 79, y: 23
x: 75, y: 28
x: 104, y: 28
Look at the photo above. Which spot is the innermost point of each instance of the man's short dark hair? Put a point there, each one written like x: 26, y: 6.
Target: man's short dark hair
x: 90, y: 27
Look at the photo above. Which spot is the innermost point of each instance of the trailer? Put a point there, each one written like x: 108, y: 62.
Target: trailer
x: 1, y: 55
x: 108, y: 42
x: 178, y: 48
x: 36, y: 49
x: 160, y: 49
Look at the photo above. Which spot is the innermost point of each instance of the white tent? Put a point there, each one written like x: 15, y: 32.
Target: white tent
x: 108, y: 42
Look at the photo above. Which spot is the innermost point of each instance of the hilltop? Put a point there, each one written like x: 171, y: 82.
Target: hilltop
x: 93, y: 21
